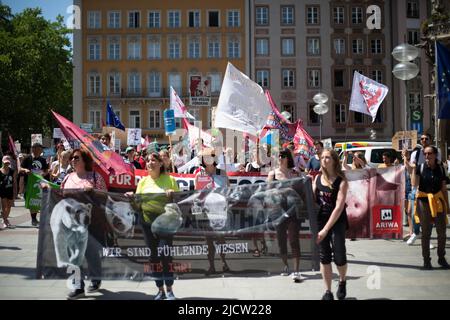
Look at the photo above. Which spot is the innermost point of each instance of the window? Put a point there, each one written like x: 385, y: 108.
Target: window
x: 357, y: 15
x: 375, y: 46
x: 134, y: 83
x: 233, y: 48
x: 358, y: 117
x: 134, y: 18
x: 339, y: 78
x: 95, y: 117
x: 291, y: 109
x: 262, y: 47
x: 194, y: 48
x: 377, y: 75
x: 414, y: 101
x: 357, y: 46
x: 173, y: 20
x: 174, y: 49
x: 194, y: 19
x: 340, y: 113
x: 413, y: 37
x: 379, y: 115
x: 114, y: 19
x: 175, y: 82
x: 216, y: 82
x: 94, y: 19
x: 213, y: 18
x: 312, y: 15
x: 134, y: 49
x: 339, y: 46
x: 288, y: 47
x: 94, y: 49
x: 213, y: 48
x: 154, y: 119
x: 262, y: 16
x: 114, y: 84
x: 412, y: 9
x: 154, y: 48
x: 313, y: 117
x: 313, y: 78
x: 288, y: 78
x: 233, y: 19
x: 287, y: 15
x: 94, y: 84
x: 313, y: 46
x: 114, y: 49
x: 338, y: 15
x: 262, y: 78
x: 135, y: 119
x: 154, y: 84
x: 154, y: 19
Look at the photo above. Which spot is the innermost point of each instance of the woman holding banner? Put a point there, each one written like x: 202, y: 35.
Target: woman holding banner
x: 210, y: 177
x: 83, y: 177
x: 330, y: 190
x: 290, y: 225
x: 163, y: 185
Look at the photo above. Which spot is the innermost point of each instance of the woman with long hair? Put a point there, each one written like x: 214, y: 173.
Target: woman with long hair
x: 330, y: 190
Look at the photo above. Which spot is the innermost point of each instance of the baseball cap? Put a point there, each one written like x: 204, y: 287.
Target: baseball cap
x: 128, y: 149
x: 6, y: 159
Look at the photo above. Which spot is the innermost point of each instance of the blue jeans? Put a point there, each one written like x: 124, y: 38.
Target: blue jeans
x: 411, y: 198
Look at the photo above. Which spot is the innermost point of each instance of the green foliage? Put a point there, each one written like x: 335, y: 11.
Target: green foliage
x: 35, y: 73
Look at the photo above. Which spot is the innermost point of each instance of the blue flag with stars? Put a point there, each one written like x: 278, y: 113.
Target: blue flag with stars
x: 443, y: 80
x: 112, y: 119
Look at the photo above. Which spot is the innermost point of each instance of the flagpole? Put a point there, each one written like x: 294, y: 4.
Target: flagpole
x: 171, y: 160
x: 436, y: 100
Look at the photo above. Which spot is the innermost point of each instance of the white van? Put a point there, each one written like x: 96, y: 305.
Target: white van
x: 372, y: 154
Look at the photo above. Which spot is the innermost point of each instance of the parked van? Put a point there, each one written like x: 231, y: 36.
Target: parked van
x: 373, y: 151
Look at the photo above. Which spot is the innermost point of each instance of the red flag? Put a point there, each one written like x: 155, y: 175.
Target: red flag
x: 276, y: 120
x: 12, y: 146
x: 304, y: 144
x: 107, y: 160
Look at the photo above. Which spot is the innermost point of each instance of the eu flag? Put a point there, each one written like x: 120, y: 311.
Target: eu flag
x: 111, y: 118
x: 443, y: 80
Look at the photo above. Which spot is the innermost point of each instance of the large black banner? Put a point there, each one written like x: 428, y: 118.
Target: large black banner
x: 201, y: 233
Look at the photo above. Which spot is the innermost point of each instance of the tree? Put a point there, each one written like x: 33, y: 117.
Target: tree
x: 35, y: 73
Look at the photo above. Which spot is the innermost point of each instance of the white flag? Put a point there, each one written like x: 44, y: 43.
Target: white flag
x: 242, y: 104
x: 178, y: 106
x: 367, y: 95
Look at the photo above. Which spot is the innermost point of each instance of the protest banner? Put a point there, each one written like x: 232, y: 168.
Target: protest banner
x: 202, y: 225
x: 404, y: 140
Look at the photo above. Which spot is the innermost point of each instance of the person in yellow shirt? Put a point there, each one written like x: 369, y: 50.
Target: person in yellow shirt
x: 159, y: 183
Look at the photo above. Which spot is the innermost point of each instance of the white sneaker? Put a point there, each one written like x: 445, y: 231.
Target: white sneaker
x: 296, y: 277
x: 431, y: 246
x: 411, y: 239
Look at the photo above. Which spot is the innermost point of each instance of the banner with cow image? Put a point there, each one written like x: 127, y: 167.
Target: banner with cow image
x: 201, y: 233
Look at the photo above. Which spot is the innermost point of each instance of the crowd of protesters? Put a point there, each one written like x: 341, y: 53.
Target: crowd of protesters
x: 425, y: 199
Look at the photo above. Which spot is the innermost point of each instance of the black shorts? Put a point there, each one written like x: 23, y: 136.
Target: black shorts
x: 7, y: 193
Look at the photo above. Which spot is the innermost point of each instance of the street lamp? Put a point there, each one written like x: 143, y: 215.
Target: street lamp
x: 405, y: 70
x: 320, y: 108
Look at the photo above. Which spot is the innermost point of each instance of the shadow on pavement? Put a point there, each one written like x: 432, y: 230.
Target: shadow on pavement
x: 10, y: 248
x: 30, y: 273
x: 383, y: 264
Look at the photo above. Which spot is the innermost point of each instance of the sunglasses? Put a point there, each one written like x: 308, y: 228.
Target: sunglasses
x: 282, y: 156
x: 424, y: 139
x: 75, y: 158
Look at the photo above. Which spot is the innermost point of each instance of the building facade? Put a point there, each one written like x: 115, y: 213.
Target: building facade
x: 129, y: 53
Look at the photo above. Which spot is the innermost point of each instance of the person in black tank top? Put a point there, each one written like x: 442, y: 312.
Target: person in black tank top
x: 330, y: 189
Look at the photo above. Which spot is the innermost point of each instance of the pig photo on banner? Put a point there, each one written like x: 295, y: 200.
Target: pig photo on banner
x: 206, y: 226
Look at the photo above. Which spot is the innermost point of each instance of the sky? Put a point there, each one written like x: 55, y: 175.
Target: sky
x: 50, y: 8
